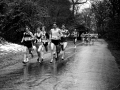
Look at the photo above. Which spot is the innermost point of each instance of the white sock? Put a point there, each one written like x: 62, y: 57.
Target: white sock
x: 24, y: 58
x: 27, y: 59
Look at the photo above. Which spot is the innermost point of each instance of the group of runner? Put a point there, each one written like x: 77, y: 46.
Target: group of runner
x: 41, y: 40
x: 89, y: 38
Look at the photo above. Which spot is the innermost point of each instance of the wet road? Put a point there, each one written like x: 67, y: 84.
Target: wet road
x: 86, y: 68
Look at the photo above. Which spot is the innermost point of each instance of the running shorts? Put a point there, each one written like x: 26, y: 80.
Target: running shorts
x: 38, y: 44
x: 63, y: 39
x: 55, y: 42
x: 74, y: 38
x: 45, y: 43
x: 28, y: 44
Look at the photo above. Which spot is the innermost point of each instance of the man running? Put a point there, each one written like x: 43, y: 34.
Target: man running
x: 83, y: 38
x: 27, y: 41
x: 75, y: 35
x: 89, y: 38
x: 55, y: 35
x: 96, y: 36
x: 65, y: 34
x: 92, y: 38
x: 86, y: 38
x: 39, y: 44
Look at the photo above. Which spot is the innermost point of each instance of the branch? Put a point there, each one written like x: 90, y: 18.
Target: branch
x: 78, y: 2
x: 72, y: 2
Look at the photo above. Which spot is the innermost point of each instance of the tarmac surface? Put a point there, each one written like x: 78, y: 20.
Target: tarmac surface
x: 84, y: 68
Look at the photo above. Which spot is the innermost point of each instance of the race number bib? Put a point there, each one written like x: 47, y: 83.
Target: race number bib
x: 44, y: 40
x: 82, y: 36
x: 27, y: 39
x: 64, y: 35
x: 38, y: 40
x: 75, y: 34
x: 55, y: 37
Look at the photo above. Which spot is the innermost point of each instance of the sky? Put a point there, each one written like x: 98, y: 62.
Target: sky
x: 85, y: 5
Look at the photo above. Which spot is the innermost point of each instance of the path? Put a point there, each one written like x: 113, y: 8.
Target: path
x: 90, y: 68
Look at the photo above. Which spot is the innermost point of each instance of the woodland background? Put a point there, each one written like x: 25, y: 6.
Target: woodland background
x: 103, y: 17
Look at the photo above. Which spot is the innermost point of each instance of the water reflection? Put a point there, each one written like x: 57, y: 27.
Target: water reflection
x: 33, y: 74
x: 44, y: 69
x: 25, y: 72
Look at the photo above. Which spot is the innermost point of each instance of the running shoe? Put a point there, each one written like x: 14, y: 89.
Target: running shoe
x: 25, y: 61
x: 75, y: 46
x: 62, y: 58
x: 51, y: 61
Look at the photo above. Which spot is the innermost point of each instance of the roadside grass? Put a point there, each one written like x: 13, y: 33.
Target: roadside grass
x: 10, y: 58
x: 115, y: 50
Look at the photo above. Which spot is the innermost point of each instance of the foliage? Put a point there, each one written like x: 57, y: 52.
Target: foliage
x: 107, y: 16
x: 15, y: 14
x: 102, y: 11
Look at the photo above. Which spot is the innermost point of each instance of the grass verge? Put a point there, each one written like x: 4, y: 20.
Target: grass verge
x: 115, y: 50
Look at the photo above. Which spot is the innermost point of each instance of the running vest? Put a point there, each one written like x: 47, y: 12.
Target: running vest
x: 55, y: 33
x: 38, y: 37
x: 65, y: 33
x: 86, y: 35
x: 27, y: 36
x: 82, y: 35
x: 44, y: 37
x: 75, y: 34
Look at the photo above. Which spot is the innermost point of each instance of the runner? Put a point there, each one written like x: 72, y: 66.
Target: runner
x: 83, y: 38
x: 92, y: 38
x: 96, y: 36
x: 55, y: 35
x: 39, y: 44
x: 27, y: 41
x: 75, y: 35
x: 45, y: 38
x: 89, y: 38
x: 65, y: 34
x: 86, y: 38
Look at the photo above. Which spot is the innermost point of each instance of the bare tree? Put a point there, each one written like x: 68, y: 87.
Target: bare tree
x: 74, y: 3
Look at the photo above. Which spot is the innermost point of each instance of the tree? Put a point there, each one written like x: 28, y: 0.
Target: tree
x: 76, y: 2
x: 18, y: 13
x: 108, y: 19
x: 102, y: 12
